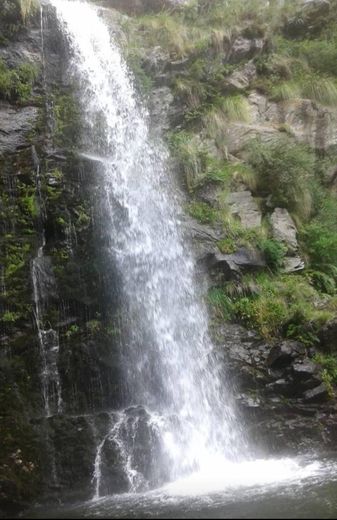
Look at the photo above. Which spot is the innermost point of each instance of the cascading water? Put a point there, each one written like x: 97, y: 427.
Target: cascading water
x: 178, y: 406
x: 168, y: 357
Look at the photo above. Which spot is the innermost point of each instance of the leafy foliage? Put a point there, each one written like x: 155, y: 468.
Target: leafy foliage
x: 16, y: 84
x: 284, y: 170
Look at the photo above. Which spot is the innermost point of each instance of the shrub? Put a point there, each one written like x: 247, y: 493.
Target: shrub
x: 321, y: 54
x: 274, y: 252
x: 321, y: 245
x: 284, y: 170
x: 329, y: 370
x: 266, y: 313
x: 10, y: 317
x: 16, y: 84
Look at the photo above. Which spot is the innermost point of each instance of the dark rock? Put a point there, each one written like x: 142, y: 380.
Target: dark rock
x: 283, y: 354
x: 328, y: 336
x: 283, y: 387
x: 231, y: 265
x: 209, y: 193
x: 14, y: 126
x: 305, y: 369
x: 243, y: 49
x: 318, y: 394
x: 246, y: 259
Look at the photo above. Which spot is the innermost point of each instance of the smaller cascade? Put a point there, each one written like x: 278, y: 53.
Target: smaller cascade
x: 133, y: 440
x: 48, y: 340
x: 43, y: 286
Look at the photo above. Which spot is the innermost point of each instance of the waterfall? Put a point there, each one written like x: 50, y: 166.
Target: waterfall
x: 171, y: 375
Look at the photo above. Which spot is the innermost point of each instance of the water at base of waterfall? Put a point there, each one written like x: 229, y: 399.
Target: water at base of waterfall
x: 288, y: 488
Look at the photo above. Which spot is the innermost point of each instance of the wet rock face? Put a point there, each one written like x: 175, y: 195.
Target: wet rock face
x: 14, y: 126
x: 132, y: 442
x: 49, y: 194
x: 279, y: 392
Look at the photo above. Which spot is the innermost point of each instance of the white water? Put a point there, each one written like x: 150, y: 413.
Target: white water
x: 48, y: 340
x: 167, y: 356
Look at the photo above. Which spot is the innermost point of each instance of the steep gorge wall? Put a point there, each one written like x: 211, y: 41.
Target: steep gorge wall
x: 49, y: 192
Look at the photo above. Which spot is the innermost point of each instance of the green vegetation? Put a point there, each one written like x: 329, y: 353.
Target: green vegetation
x: 274, y: 252
x: 10, y: 317
x: 68, y: 120
x: 285, y: 170
x: 16, y: 84
x: 93, y: 326
x: 329, y: 371
x: 202, y: 212
x: 236, y: 108
x: 72, y: 330
x: 274, y: 305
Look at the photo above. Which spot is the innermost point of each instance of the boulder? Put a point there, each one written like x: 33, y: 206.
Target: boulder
x: 232, y: 265
x: 243, y: 205
x: 304, y: 369
x: 239, y: 134
x: 292, y: 264
x: 241, y: 79
x: 209, y: 193
x: 284, y: 229
x: 244, y: 48
x: 318, y: 394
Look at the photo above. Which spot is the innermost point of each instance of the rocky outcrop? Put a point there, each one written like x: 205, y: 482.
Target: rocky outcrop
x: 245, y: 49
x: 241, y: 79
x: 47, y: 199
x: 285, y: 231
x: 244, y: 207
x: 279, y: 394
x: 306, y: 120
